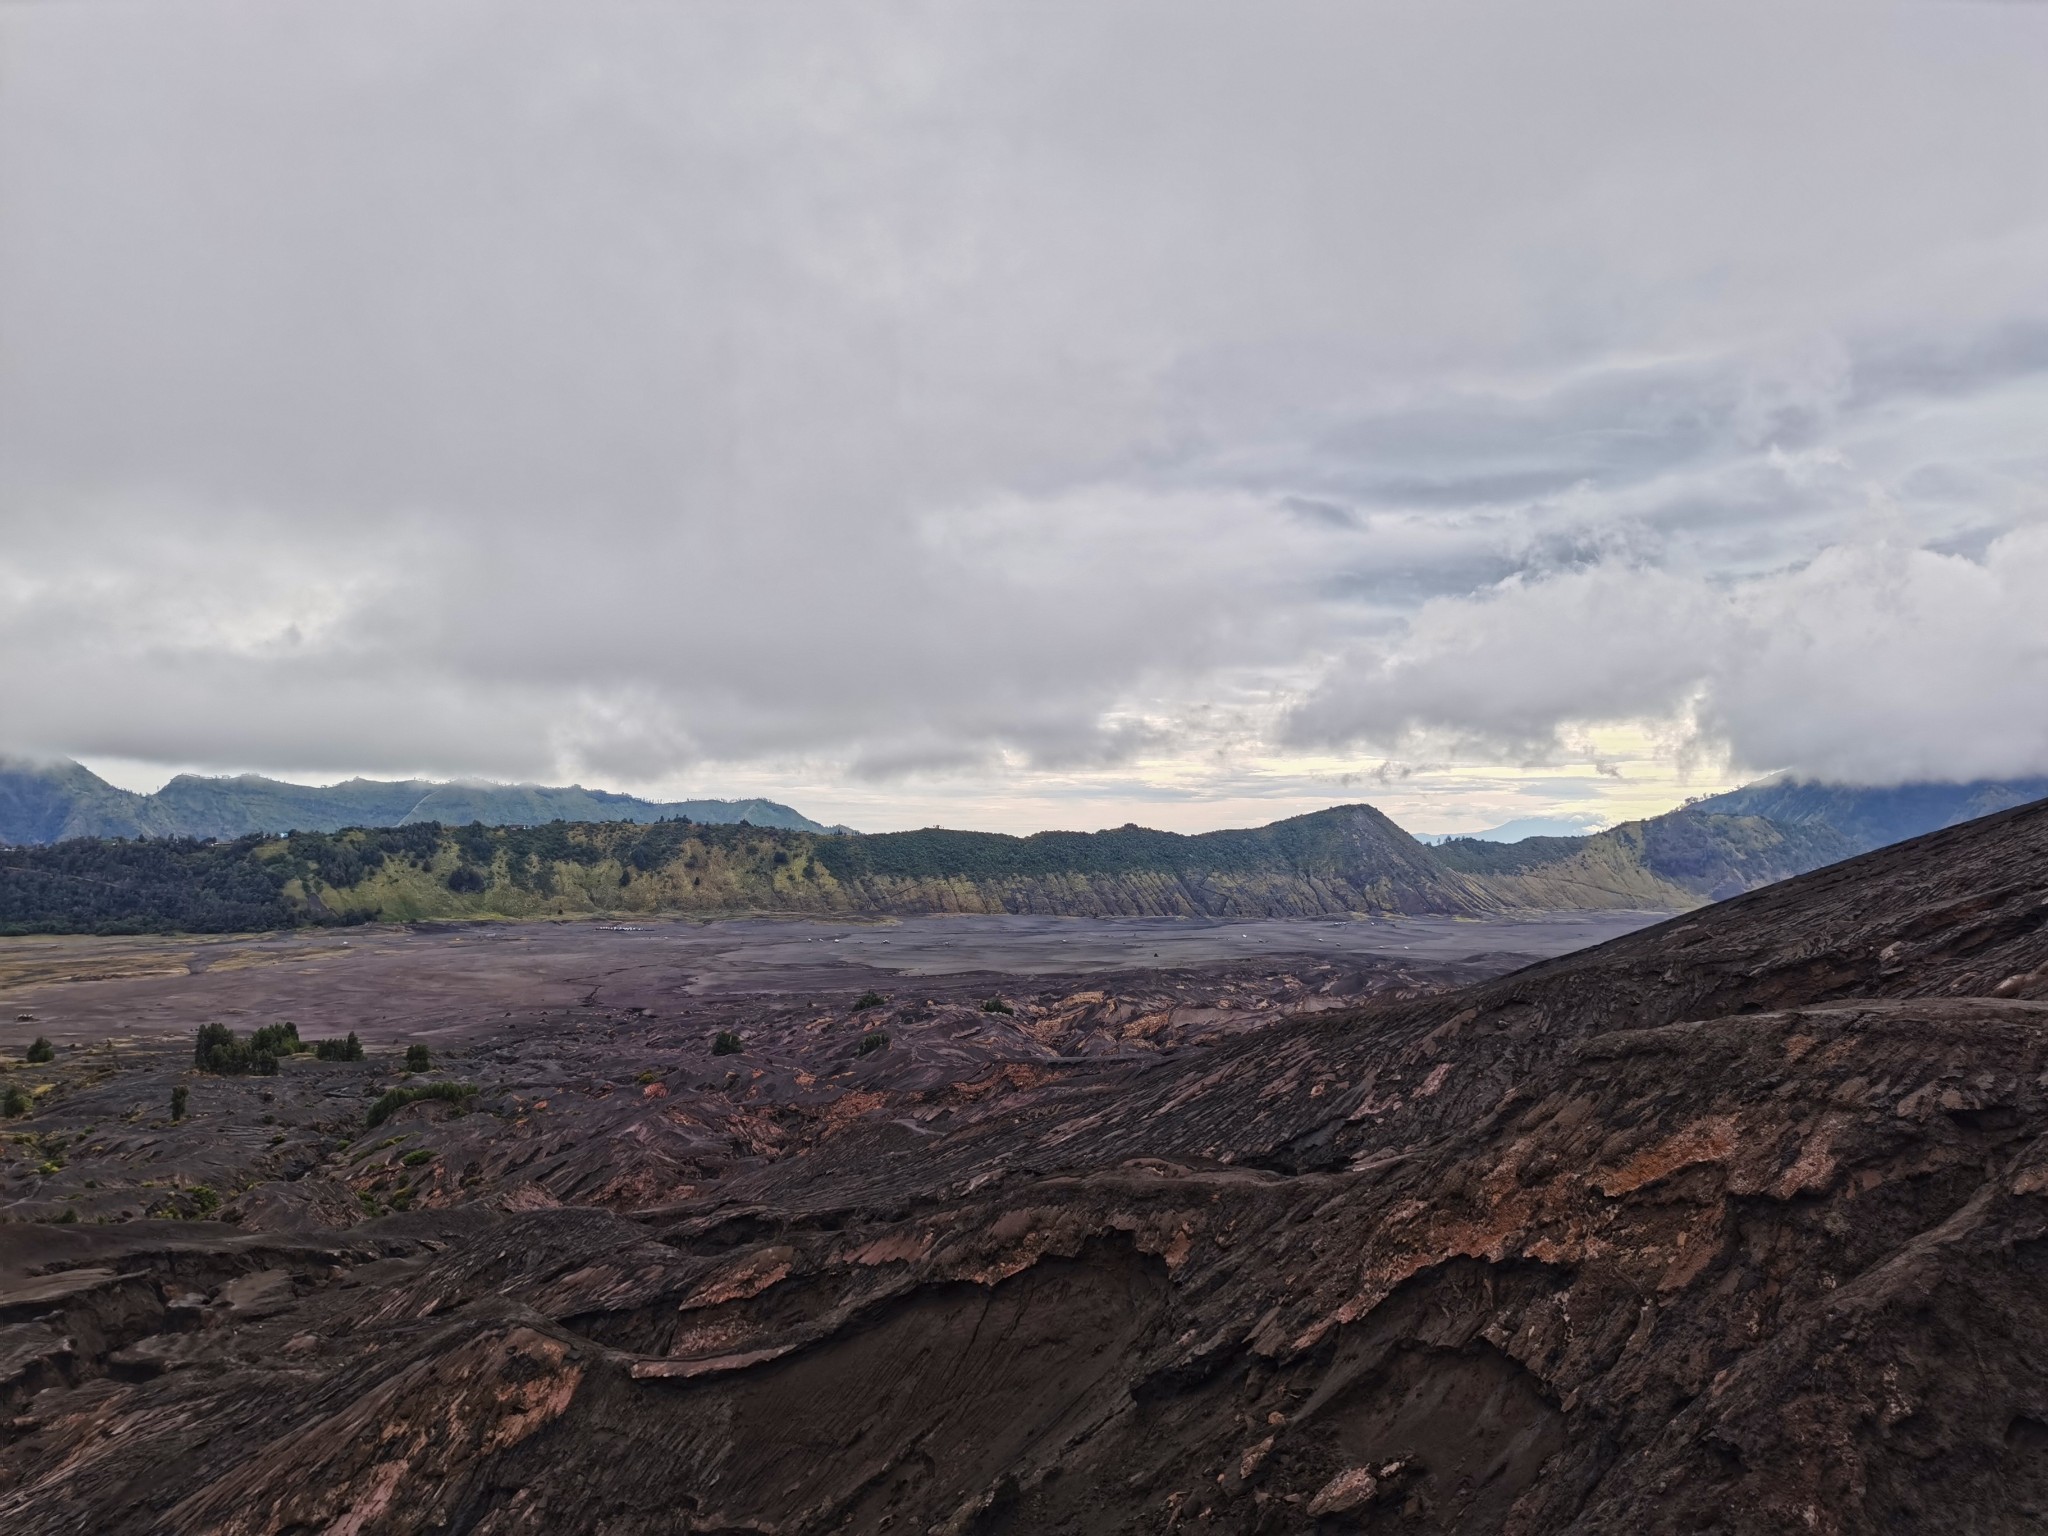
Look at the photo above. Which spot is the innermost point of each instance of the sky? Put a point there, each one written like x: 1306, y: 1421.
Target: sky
x: 1028, y: 415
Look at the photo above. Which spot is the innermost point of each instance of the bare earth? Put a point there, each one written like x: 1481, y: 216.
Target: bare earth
x: 441, y: 982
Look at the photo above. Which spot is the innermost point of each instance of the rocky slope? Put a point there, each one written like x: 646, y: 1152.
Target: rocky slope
x: 1737, y: 1224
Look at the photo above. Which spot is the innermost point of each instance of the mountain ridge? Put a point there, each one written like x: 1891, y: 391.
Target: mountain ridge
x: 46, y: 802
x: 1340, y: 862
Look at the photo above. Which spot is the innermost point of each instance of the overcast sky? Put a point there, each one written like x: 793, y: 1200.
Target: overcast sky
x: 1033, y: 414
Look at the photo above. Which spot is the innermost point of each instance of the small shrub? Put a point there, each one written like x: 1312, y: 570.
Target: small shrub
x: 868, y: 1000
x: 726, y: 1043
x: 464, y: 880
x: 13, y: 1102
x: 397, y: 1098
x: 417, y: 1156
x: 418, y: 1059
x: 874, y: 1040
x: 649, y: 1076
x: 204, y: 1200
x: 996, y: 1005
x: 179, y: 1096
x: 42, y: 1050
x: 350, y: 1049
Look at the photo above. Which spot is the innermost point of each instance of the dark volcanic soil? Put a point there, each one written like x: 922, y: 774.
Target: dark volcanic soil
x: 1739, y: 1223
x: 390, y: 983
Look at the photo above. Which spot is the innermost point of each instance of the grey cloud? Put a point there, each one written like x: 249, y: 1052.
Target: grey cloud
x: 537, y: 389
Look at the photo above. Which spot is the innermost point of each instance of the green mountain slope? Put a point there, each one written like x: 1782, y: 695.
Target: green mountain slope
x: 1347, y: 859
x: 1667, y: 863
x: 1871, y: 818
x: 45, y: 802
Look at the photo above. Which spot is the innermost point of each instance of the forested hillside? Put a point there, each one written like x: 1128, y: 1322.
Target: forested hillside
x: 1347, y: 860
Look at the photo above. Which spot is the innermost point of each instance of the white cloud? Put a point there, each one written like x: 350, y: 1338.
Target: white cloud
x: 1872, y: 663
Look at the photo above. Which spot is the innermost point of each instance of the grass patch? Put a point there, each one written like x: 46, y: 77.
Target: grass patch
x: 397, y: 1098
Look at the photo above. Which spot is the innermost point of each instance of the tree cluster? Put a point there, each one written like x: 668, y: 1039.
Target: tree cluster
x: 220, y: 1050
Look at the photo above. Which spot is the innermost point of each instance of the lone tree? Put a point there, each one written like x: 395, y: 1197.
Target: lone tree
x: 417, y: 1058
x: 179, y: 1095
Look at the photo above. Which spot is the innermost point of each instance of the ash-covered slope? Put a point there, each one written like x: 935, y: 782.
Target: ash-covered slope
x: 1737, y: 1224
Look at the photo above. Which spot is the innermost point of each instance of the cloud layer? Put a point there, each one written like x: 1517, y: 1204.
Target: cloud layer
x: 901, y: 395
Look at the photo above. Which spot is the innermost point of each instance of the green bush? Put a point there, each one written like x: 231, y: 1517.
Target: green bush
x: 868, y: 1000
x: 42, y: 1050
x: 996, y: 1005
x: 204, y: 1200
x: 13, y: 1102
x: 418, y: 1059
x: 397, y: 1098
x: 874, y: 1040
x: 350, y: 1049
x: 278, y: 1039
x: 417, y: 1156
x: 179, y: 1096
x: 726, y: 1043
x: 220, y: 1050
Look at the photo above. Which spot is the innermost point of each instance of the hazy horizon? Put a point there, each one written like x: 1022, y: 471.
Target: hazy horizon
x: 1028, y: 416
